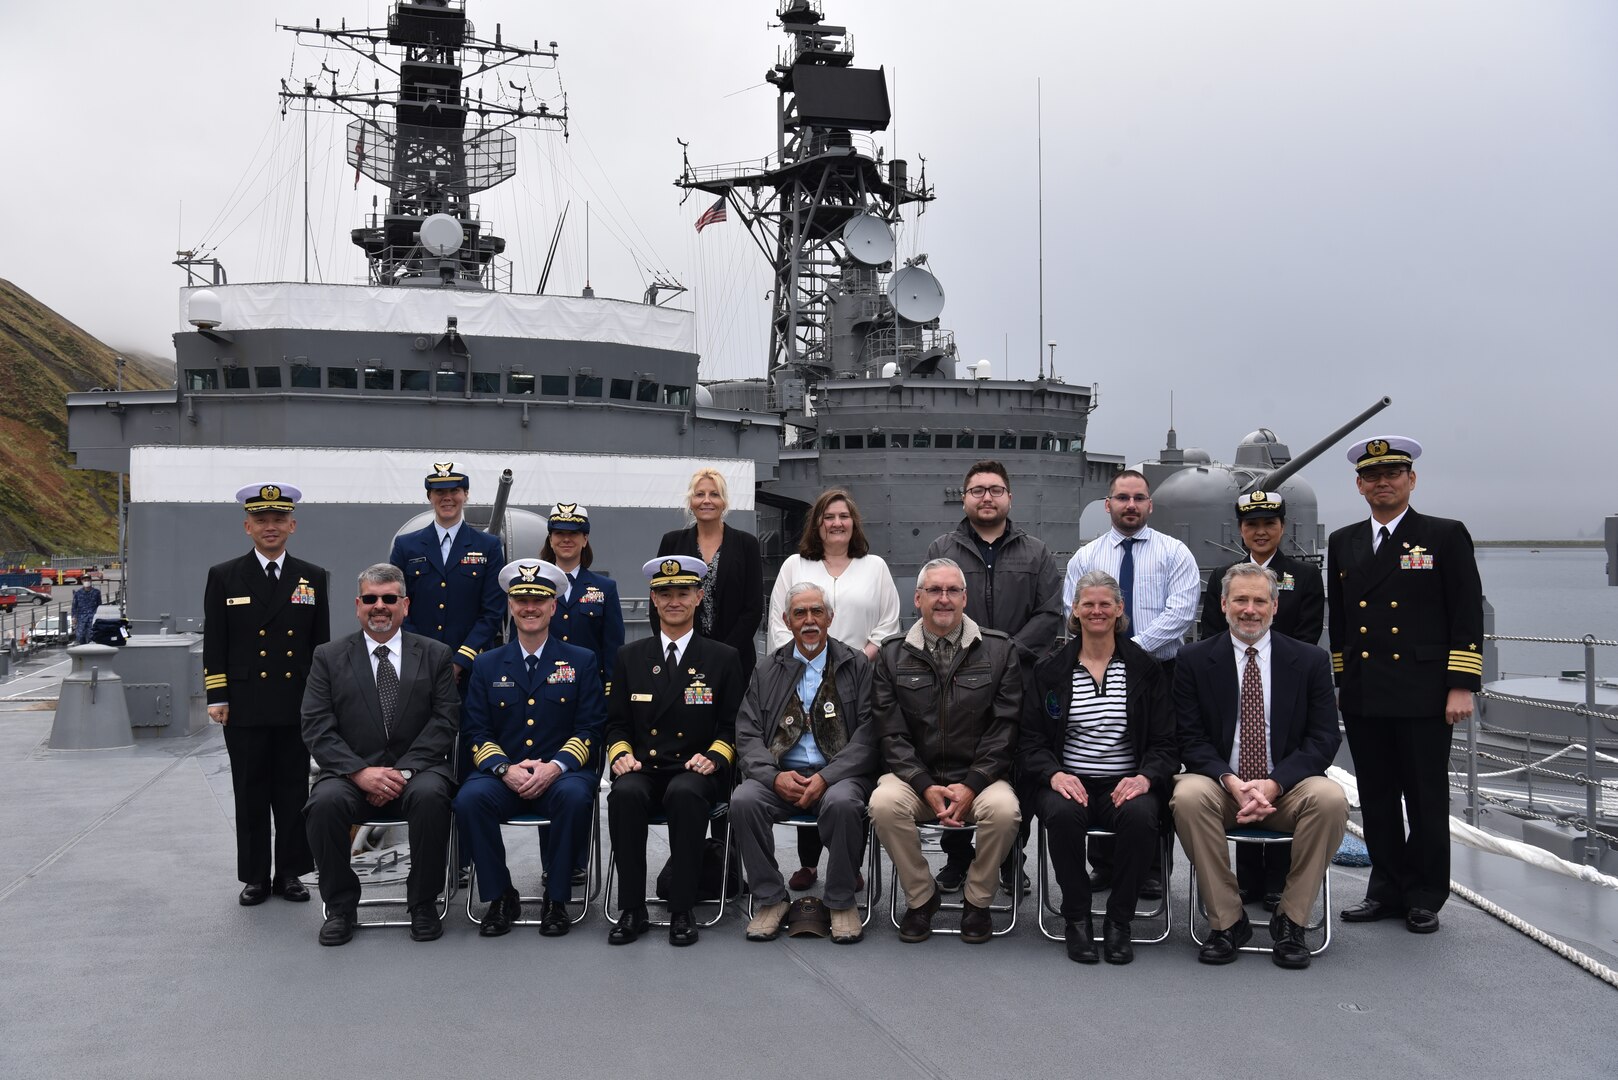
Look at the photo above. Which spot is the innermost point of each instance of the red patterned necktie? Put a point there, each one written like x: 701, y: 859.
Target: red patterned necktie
x: 1255, y: 744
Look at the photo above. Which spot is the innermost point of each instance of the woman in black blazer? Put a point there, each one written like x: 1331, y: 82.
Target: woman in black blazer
x: 733, y: 591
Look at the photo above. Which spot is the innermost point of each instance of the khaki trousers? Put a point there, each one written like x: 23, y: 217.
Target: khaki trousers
x: 896, y: 808
x: 1315, y: 812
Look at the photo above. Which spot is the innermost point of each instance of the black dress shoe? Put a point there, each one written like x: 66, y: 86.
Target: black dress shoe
x: 254, y: 894
x: 1080, y: 935
x: 1421, y: 921
x: 1115, y: 943
x: 1272, y: 901
x: 580, y: 876
x: 425, y: 925
x: 338, y: 929
x: 505, y: 910
x: 1102, y: 879
x: 291, y: 889
x: 1223, y: 945
x: 1151, y: 887
x: 917, y: 924
x: 1370, y: 910
x: 976, y: 924
x: 952, y: 877
x: 553, y: 920
x: 630, y: 925
x: 1290, y: 950
x: 1024, y: 886
x: 682, y: 931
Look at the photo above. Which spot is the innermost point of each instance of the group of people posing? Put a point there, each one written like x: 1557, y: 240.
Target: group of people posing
x: 1016, y: 694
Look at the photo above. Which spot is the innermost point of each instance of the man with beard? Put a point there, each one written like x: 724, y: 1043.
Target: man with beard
x: 1258, y: 727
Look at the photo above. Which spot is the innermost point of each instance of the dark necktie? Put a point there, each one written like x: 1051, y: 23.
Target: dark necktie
x: 1381, y: 538
x: 533, y: 666
x: 1255, y: 745
x: 443, y: 549
x: 269, y: 572
x: 673, y: 659
x: 387, y: 688
x: 1126, y: 575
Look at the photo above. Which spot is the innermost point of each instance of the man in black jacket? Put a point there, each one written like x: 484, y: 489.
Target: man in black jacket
x: 1012, y: 585
x: 1300, y: 613
x: 805, y: 745
x: 1405, y: 607
x: 946, y: 698
x: 263, y: 616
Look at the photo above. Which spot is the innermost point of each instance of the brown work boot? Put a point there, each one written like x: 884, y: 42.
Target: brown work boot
x: 976, y: 925
x: 917, y: 925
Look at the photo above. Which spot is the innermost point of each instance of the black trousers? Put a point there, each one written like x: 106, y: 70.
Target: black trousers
x: 1402, y: 765
x: 269, y: 775
x: 1135, y: 849
x: 686, y: 799
x: 337, y: 803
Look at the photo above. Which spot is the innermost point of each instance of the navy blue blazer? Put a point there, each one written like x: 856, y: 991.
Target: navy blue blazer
x: 459, y: 604
x: 592, y: 618
x: 1303, y: 708
x: 556, y: 714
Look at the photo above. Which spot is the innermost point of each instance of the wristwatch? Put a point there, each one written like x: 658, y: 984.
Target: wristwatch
x: 407, y: 773
x: 501, y: 769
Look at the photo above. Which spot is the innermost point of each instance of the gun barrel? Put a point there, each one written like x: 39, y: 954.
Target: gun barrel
x: 497, y: 516
x: 1286, y: 472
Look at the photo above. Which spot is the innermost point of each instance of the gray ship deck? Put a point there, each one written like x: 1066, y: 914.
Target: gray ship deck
x: 126, y: 955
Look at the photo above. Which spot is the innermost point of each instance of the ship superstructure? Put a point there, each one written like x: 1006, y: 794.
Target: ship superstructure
x: 863, y: 377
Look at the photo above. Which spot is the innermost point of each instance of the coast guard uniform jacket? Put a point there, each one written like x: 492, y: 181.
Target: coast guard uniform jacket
x: 664, y: 720
x: 592, y: 618
x: 510, y: 716
x: 1406, y: 622
x: 458, y: 603
x: 258, y: 642
x: 1301, y: 613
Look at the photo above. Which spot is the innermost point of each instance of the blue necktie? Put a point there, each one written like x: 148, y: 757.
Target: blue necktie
x: 1126, y: 575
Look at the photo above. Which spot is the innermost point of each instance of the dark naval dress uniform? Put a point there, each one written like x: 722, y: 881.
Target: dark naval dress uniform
x: 664, y: 718
x: 456, y: 601
x: 258, y: 642
x: 592, y: 618
x: 552, y: 710
x: 1406, y: 626
x: 1301, y: 614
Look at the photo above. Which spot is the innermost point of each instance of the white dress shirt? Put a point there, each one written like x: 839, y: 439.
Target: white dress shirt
x: 679, y: 643
x: 395, y: 646
x: 1392, y: 527
x: 1167, y: 586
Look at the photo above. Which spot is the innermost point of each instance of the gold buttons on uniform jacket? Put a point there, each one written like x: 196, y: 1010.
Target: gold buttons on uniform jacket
x: 1364, y: 631
x: 1396, y: 656
x: 1365, y: 656
x: 440, y: 607
x: 443, y: 584
x: 530, y: 723
x: 651, y: 753
x: 261, y: 633
x: 530, y: 701
x: 1395, y: 630
x: 261, y: 652
x: 289, y: 633
x: 654, y: 732
x: 528, y: 742
x: 564, y: 701
x: 1362, y: 603
x: 1393, y: 603
x: 264, y: 674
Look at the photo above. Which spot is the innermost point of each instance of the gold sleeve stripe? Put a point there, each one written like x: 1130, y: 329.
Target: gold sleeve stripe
x: 607, y: 689
x: 619, y: 748
x: 468, y: 652
x: 1469, y: 663
x: 724, y: 750
x: 215, y: 682
x: 485, y: 751
x: 576, y: 747
x: 1337, y: 663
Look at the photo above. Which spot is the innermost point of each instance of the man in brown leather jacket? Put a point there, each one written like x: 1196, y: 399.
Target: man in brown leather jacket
x: 945, y: 698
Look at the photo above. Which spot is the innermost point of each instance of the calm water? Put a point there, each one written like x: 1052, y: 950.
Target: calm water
x: 1557, y: 592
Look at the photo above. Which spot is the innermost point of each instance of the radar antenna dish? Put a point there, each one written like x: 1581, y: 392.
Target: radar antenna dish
x: 868, y: 239
x: 915, y: 294
x: 441, y: 235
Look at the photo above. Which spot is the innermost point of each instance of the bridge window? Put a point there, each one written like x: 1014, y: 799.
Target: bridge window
x: 519, y: 385
x: 899, y: 441
x: 267, y: 377
x: 553, y: 385
x: 621, y: 389
x: 945, y: 442
x: 854, y: 442
x: 986, y: 442
x: 236, y: 378
x: 485, y: 382
x: 201, y: 379
x: 587, y: 386
x: 342, y: 378
x: 1028, y: 442
x: 450, y: 382
x: 305, y: 377
x: 923, y: 440
x: 832, y: 442
x: 676, y: 395
x: 646, y: 390
x: 378, y: 378
x: 415, y: 380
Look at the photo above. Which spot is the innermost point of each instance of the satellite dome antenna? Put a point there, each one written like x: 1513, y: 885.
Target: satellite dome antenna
x: 868, y: 239
x: 915, y: 294
x: 441, y: 235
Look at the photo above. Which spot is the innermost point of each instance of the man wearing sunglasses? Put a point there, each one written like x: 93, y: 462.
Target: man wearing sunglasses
x: 379, y: 718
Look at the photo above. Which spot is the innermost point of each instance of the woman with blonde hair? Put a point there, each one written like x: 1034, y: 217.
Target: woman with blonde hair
x: 733, y: 589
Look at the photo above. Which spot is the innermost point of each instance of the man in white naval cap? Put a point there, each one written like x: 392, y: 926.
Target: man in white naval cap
x: 671, y: 732
x: 1404, y: 610
x: 533, y: 715
x: 263, y: 615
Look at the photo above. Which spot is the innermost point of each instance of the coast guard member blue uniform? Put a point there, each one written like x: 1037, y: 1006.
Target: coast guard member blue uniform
x: 525, y: 712
x: 588, y: 613
x: 454, y: 598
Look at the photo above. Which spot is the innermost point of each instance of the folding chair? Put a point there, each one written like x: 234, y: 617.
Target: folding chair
x: 1009, y: 905
x: 1245, y: 834
x: 720, y: 811
x: 389, y: 861
x: 592, y: 871
x: 873, y: 867
x: 1158, y: 910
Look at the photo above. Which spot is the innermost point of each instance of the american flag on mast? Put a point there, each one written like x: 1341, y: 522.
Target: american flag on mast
x: 359, y: 157
x: 713, y: 214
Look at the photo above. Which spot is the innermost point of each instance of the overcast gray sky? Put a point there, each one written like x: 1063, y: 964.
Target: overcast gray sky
x: 1277, y: 210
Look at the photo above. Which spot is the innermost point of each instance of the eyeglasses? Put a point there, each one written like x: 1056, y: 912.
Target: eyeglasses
x: 1130, y: 498
x: 387, y: 598
x: 954, y: 592
x: 997, y: 491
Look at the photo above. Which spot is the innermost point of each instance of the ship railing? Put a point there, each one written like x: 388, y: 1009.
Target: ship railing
x: 901, y: 344
x: 820, y: 143
x: 1549, y: 757
x: 818, y: 44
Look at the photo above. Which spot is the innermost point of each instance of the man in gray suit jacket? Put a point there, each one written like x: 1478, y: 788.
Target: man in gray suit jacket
x: 379, y: 718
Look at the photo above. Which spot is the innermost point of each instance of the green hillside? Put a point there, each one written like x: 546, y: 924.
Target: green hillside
x: 46, y: 506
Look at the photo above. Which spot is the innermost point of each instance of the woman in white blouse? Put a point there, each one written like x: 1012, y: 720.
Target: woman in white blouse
x: 835, y: 555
